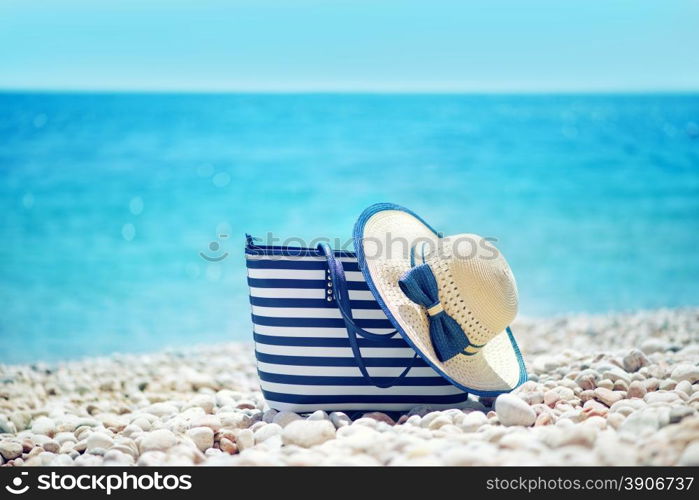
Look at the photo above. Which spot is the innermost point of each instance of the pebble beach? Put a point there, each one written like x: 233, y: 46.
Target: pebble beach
x: 620, y: 389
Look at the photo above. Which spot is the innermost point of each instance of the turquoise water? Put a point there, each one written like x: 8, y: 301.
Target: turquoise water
x: 108, y: 200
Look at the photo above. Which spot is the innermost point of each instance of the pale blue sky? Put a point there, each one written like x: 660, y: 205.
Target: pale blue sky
x: 377, y: 45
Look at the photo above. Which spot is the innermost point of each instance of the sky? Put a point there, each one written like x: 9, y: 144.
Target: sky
x: 358, y: 45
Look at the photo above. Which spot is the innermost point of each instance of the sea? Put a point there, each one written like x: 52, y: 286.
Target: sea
x: 123, y: 215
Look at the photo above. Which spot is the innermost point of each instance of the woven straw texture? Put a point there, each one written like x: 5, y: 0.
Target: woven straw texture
x: 476, y: 288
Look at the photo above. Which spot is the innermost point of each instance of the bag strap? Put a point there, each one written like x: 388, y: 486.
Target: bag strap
x: 337, y: 276
x: 339, y: 282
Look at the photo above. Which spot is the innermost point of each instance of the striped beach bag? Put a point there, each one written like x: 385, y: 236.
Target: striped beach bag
x: 322, y: 341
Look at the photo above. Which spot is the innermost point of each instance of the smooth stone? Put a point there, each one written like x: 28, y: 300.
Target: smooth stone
x: 472, y: 405
x: 366, y: 422
x: 594, y: 408
x: 268, y: 416
x: 528, y: 386
x: 587, y: 381
x: 579, y: 435
x: 651, y: 384
x: 65, y: 437
x: 307, y: 433
x: 380, y: 417
x: 650, y: 346
x: 61, y: 461
x: 245, y: 439
x: 6, y: 425
x: 575, y: 415
x: 10, y: 450
x: 615, y: 374
x: 640, y: 423
x: 439, y: 422
x: 151, y: 459
x: 202, y: 437
x: 267, y: 431
x: 35, y: 440
x: 230, y: 420
x: 131, y: 430
x: 635, y: 360
x: 318, y: 415
x: 620, y: 385
x: 98, y: 440
x: 67, y: 449
x: 112, y: 421
x: 690, y: 455
x: 205, y: 401
x: 118, y: 458
x: 632, y: 404
x: 246, y: 405
x: 284, y: 418
x: 636, y: 390
x: 420, y: 410
x: 162, y: 409
x: 685, y: 387
x: 256, y: 425
x: 565, y: 393
x: 213, y: 422
x: 340, y: 419
x: 158, y: 440
x: 677, y: 414
x: 551, y: 397
x: 21, y: 419
x: 660, y: 397
x: 427, y: 419
x: 80, y: 446
x: 532, y: 398
x: 615, y: 420
x: 143, y: 424
x: 607, y: 396
x: 587, y: 395
x: 473, y: 421
x: 44, y: 425
x: 596, y: 421
x: 605, y: 384
x: 667, y: 385
x: 685, y: 371
x: 226, y: 446
x: 544, y: 419
x: 511, y: 410
x: 413, y: 420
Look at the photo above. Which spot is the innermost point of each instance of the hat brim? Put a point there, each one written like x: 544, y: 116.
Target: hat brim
x: 383, y: 237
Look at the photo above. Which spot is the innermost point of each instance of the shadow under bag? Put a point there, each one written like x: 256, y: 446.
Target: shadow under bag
x: 322, y: 341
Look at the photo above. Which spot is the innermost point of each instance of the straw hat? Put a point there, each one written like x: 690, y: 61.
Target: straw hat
x: 452, y: 299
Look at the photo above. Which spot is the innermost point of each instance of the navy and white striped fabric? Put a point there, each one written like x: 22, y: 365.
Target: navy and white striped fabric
x: 304, y: 359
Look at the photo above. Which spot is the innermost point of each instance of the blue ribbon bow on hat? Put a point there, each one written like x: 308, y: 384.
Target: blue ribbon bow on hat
x: 448, y: 339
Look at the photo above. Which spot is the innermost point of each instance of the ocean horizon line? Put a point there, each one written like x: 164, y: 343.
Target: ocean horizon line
x: 368, y: 92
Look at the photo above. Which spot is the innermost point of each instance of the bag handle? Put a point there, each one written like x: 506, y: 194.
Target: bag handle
x: 337, y: 277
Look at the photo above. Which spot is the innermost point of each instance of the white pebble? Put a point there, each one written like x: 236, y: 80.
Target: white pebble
x: 511, y: 410
x: 283, y: 418
x: 687, y: 372
x: 307, y: 433
x: 202, y: 437
x: 43, y: 425
x: 245, y: 439
x: 159, y: 440
x: 267, y: 431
